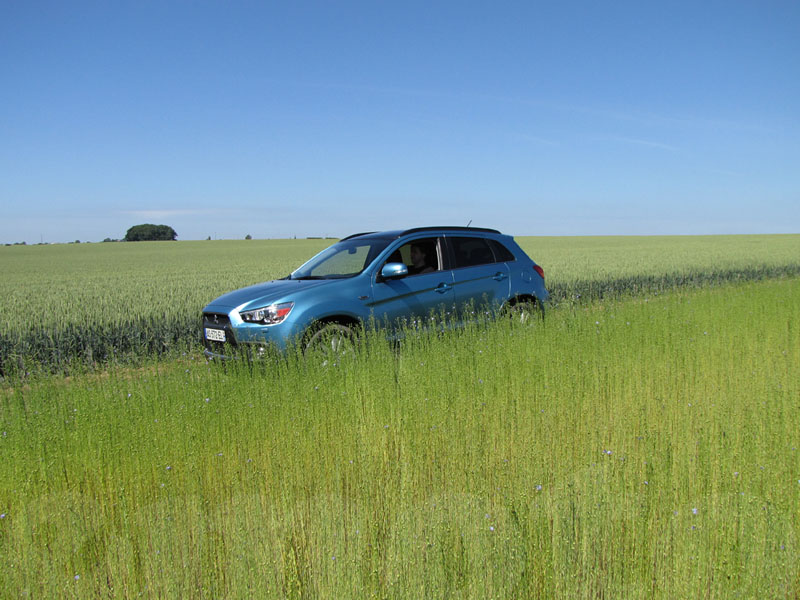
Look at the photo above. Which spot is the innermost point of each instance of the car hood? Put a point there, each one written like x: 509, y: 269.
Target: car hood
x: 263, y: 294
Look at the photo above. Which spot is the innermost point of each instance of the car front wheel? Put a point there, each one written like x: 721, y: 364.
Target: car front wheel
x: 330, y: 342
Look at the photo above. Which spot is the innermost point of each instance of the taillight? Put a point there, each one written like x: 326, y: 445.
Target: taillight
x: 539, y: 270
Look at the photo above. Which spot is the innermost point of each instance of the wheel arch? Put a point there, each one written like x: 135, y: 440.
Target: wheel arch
x: 513, y: 301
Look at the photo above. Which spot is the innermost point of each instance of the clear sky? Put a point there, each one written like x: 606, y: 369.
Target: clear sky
x: 293, y: 118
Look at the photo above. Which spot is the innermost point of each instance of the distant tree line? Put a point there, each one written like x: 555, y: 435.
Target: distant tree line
x: 150, y: 233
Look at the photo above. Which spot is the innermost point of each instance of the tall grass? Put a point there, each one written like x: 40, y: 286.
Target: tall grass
x: 635, y: 448
x: 66, y: 307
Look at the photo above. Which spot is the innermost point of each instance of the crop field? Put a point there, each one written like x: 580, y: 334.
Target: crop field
x: 68, y: 306
x: 642, y: 442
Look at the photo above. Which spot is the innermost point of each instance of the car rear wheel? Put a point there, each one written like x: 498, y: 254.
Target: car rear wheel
x: 525, y: 312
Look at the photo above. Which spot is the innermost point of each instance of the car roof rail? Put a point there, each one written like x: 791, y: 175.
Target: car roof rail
x: 450, y: 228
x: 424, y: 229
x: 356, y: 235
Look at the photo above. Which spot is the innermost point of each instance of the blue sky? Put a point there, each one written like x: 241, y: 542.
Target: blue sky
x: 300, y: 119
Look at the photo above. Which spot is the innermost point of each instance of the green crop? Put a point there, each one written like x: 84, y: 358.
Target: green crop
x: 66, y: 307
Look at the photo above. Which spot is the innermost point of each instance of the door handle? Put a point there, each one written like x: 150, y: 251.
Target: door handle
x: 499, y: 276
x: 442, y: 288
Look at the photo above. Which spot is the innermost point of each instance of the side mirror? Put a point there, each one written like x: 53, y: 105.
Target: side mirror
x: 394, y: 271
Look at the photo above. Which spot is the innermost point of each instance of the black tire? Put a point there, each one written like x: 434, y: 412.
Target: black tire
x: 330, y: 342
x: 525, y: 312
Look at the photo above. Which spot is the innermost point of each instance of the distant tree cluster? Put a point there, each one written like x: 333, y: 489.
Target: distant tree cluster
x: 150, y: 233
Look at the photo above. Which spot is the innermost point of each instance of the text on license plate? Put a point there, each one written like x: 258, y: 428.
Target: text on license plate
x: 215, y: 335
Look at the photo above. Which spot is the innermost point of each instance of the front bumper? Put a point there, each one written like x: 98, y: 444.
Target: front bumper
x: 255, y: 345
x: 213, y: 348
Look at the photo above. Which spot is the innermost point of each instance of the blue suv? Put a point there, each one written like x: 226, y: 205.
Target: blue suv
x: 388, y: 278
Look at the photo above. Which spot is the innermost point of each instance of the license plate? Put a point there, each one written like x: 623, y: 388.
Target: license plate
x: 215, y: 335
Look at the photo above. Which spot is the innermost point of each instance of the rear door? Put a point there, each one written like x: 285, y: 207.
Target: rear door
x: 481, y: 278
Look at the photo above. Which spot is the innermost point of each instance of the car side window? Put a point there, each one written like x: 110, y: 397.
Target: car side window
x: 420, y: 256
x: 501, y: 253
x: 471, y: 252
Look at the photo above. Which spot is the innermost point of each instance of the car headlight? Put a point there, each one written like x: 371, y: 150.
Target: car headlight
x: 269, y: 315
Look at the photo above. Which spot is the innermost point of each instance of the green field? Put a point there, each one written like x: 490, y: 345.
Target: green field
x: 641, y: 443
x: 66, y: 306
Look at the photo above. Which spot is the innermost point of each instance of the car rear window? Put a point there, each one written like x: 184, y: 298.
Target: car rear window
x: 501, y: 253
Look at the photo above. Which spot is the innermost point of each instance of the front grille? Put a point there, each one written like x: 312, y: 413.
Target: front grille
x: 218, y: 321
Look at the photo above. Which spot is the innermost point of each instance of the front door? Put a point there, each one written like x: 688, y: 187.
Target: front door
x: 426, y: 292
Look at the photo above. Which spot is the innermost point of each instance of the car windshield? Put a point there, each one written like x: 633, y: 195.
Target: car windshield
x: 345, y: 259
